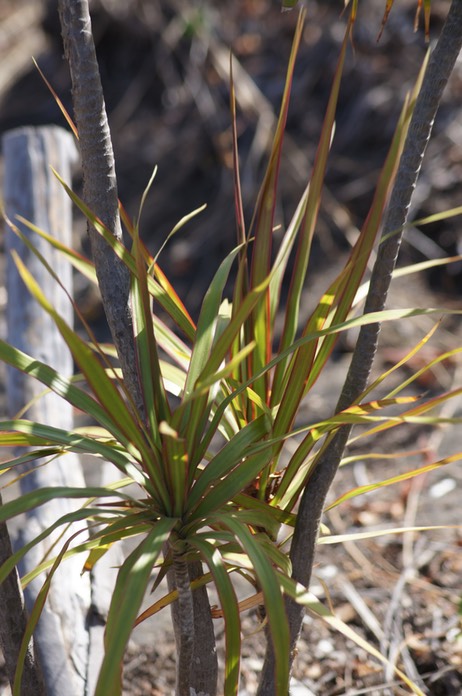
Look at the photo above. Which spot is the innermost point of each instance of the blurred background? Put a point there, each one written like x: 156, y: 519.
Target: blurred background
x: 165, y: 71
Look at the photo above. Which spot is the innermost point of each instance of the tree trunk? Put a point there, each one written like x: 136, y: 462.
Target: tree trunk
x: 100, y: 183
x: 312, y: 503
x: 13, y: 622
x: 100, y: 195
x: 203, y: 670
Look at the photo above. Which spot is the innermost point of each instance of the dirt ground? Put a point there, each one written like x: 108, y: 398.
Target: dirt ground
x: 164, y: 70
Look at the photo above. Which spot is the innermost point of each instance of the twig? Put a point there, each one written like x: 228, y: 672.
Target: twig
x: 360, y: 606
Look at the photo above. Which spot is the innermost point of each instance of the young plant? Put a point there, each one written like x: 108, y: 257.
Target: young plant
x: 198, y: 415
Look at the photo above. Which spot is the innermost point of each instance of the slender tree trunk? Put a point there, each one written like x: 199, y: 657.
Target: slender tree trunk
x: 99, y: 182
x: 202, y: 672
x: 13, y: 622
x: 100, y: 194
x: 184, y: 625
x: 312, y: 503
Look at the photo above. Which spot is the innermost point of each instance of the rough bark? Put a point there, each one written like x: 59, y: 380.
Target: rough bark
x: 100, y: 194
x: 184, y: 626
x: 303, y: 547
x: 203, y: 669
x: 13, y: 622
x: 99, y: 182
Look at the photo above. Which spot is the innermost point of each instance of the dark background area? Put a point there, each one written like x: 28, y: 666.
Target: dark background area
x: 163, y: 68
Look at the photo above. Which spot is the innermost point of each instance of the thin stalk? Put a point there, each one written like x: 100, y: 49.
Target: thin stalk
x: 184, y: 625
x: 13, y: 621
x: 100, y: 194
x: 312, y: 503
x: 99, y: 182
x: 202, y: 674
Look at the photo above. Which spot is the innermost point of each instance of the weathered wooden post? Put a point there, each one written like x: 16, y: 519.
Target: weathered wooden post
x: 32, y: 191
x: 70, y: 620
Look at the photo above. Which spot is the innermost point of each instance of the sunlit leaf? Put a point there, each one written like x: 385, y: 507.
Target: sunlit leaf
x: 130, y: 588
x: 230, y: 611
x: 274, y: 603
x: 360, y: 490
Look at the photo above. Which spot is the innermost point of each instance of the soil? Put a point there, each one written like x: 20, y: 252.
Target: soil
x: 168, y: 103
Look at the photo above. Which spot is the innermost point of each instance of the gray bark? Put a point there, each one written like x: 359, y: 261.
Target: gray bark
x: 13, y: 622
x: 100, y: 183
x: 303, y: 547
x: 184, y: 626
x: 100, y: 194
x: 203, y: 668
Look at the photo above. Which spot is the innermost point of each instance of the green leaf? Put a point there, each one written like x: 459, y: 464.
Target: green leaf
x: 194, y: 414
x: 360, y: 490
x: 60, y: 385
x: 132, y: 582
x: 127, y: 525
x: 373, y: 317
x: 75, y: 516
x: 261, y: 328
x: 166, y: 297
x: 177, y: 228
x: 32, y: 500
x: 307, y: 228
x: 206, y: 326
x: 102, y: 386
x: 307, y: 363
x: 155, y: 400
x: 375, y: 533
x: 414, y: 415
x: 278, y: 515
x: 283, y: 254
x: 166, y: 338
x: 176, y: 466
x: 274, y: 602
x: 26, y: 433
x: 46, y: 452
x: 230, y: 610
x: 235, y: 482
x: 230, y: 456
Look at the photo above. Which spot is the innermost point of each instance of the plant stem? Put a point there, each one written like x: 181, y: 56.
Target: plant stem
x: 205, y: 663
x: 100, y: 183
x: 100, y: 195
x: 184, y: 626
x: 13, y: 623
x: 203, y: 672
x: 312, y: 503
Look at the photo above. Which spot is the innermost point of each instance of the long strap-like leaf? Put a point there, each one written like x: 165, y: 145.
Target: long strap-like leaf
x: 439, y: 69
